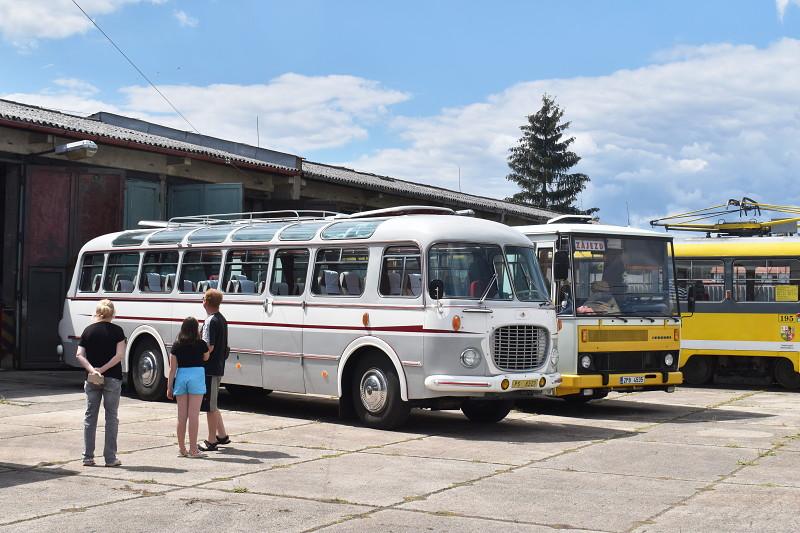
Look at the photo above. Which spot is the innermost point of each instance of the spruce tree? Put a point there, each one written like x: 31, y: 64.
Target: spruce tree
x: 540, y: 163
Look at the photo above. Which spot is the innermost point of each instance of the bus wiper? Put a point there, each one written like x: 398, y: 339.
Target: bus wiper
x: 488, y: 288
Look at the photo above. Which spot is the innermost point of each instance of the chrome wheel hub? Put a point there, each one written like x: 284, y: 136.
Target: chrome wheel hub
x: 147, y: 369
x: 374, y: 390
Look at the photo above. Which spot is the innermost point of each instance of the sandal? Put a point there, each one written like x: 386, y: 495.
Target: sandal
x: 207, y: 446
x: 196, y: 455
x: 223, y: 440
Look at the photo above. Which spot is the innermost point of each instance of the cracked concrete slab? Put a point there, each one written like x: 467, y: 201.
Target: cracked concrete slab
x: 559, y: 498
x: 366, y: 479
x: 733, y: 509
x: 777, y: 468
x: 10, y: 431
x: 73, y: 418
x: 192, y: 510
x: 716, y: 434
x: 235, y: 423
x: 338, y: 437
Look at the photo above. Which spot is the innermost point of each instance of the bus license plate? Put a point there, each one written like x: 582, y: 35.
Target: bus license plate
x: 523, y: 383
x: 631, y: 380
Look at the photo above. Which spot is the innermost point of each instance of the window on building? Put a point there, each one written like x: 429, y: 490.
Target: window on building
x: 289, y: 273
x: 200, y: 271
x: 340, y: 271
x: 158, y: 272
x: 91, y: 273
x: 766, y: 280
x: 401, y: 272
x: 707, y: 276
x: 246, y: 271
x: 121, y: 272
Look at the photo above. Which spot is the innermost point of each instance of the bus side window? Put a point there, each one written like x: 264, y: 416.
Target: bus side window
x: 158, y: 272
x: 245, y: 271
x: 91, y: 272
x: 200, y: 271
x: 707, y: 276
x: 401, y: 274
x: 289, y: 272
x: 766, y: 280
x: 340, y: 271
x: 121, y: 272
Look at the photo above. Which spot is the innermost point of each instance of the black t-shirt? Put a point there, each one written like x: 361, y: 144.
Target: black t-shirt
x: 100, y: 342
x: 189, y: 354
x: 215, y: 333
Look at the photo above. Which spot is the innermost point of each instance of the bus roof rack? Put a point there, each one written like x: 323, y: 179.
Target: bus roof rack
x: 402, y: 210
x: 571, y: 219
x: 251, y: 217
x: 713, y: 219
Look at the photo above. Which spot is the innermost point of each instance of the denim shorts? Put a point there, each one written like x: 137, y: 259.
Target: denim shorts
x: 190, y: 380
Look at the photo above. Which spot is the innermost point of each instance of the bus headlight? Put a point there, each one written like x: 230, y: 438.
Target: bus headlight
x: 470, y: 358
x: 669, y: 359
x: 586, y: 362
x: 554, y: 358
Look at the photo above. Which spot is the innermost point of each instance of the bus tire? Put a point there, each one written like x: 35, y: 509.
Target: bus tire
x: 698, y: 370
x: 147, y: 371
x: 246, y: 393
x: 785, y: 374
x: 486, y: 411
x: 376, y: 393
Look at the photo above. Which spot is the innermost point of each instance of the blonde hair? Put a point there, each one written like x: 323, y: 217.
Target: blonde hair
x: 213, y: 297
x: 104, y: 310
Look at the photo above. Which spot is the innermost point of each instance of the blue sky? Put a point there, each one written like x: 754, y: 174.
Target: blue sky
x: 673, y: 104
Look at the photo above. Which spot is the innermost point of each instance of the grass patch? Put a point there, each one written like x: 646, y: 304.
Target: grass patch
x: 240, y: 490
x: 742, y: 462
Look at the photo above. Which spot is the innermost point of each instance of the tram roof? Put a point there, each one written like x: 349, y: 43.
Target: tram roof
x: 594, y: 229
x: 738, y: 247
x: 422, y: 228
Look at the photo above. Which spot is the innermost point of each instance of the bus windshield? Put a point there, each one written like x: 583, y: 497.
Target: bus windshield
x: 620, y: 276
x: 476, y: 271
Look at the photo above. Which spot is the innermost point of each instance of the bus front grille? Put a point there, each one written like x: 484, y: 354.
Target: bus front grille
x: 519, y: 347
x: 617, y: 335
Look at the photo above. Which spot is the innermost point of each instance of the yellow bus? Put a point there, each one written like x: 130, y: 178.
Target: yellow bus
x: 746, y: 311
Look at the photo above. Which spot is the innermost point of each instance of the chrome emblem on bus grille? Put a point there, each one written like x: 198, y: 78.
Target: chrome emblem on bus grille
x: 519, y: 347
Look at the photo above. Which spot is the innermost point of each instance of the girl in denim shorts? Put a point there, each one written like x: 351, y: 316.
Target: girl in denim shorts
x: 187, y: 383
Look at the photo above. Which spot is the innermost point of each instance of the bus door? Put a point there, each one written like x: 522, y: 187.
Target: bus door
x: 284, y: 317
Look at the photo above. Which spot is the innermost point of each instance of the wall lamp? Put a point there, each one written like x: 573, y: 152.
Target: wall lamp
x: 73, y: 151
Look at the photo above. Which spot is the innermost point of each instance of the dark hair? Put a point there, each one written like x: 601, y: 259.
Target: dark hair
x: 190, y: 331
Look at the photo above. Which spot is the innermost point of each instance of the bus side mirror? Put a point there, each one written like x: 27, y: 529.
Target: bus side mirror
x: 691, y: 298
x: 436, y: 289
x: 561, y: 265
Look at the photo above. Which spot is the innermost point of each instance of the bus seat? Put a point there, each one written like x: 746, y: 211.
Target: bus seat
x: 331, y: 282
x: 233, y: 286
x: 415, y: 284
x: 153, y: 282
x: 202, y: 286
x: 123, y: 285
x: 188, y: 286
x: 213, y: 282
x: 261, y: 285
x: 247, y: 286
x: 395, y: 284
x: 299, y: 288
x: 169, y: 282
x: 350, y: 283
x: 280, y: 288
x: 96, y: 282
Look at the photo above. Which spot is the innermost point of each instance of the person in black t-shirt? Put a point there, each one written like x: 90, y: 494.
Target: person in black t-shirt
x: 215, y: 333
x: 100, y: 352
x: 187, y: 382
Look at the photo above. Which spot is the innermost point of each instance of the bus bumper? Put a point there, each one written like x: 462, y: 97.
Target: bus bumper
x: 572, y: 384
x: 503, y: 383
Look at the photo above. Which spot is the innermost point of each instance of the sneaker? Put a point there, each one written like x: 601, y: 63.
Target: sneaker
x: 114, y: 463
x: 207, y: 446
x: 223, y: 440
x: 88, y: 462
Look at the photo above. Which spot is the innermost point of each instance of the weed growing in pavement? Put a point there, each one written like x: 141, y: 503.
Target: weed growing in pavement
x: 240, y: 490
x: 742, y: 462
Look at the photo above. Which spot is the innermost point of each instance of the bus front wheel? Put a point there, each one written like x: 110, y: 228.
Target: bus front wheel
x: 785, y: 374
x: 376, y: 393
x: 147, y: 372
x: 486, y: 411
x: 698, y: 370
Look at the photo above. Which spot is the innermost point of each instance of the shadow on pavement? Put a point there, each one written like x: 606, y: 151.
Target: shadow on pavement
x: 24, y: 474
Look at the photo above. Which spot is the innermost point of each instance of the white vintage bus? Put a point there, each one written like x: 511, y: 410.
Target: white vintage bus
x: 385, y: 310
x: 614, y: 289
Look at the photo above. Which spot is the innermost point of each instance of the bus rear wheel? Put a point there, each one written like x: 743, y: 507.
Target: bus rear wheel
x: 376, y: 393
x: 785, y: 374
x: 147, y: 372
x: 486, y: 411
x: 698, y: 370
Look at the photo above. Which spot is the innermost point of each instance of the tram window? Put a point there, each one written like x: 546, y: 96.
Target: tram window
x: 121, y: 272
x: 401, y: 273
x: 91, y: 272
x: 707, y: 276
x: 289, y: 273
x: 246, y: 271
x: 766, y: 280
x: 340, y: 271
x: 200, y: 271
x: 158, y: 272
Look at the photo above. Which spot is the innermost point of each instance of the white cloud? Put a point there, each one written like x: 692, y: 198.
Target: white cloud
x: 23, y: 23
x: 721, y: 121
x: 184, y: 19
x: 296, y: 113
x: 782, y: 5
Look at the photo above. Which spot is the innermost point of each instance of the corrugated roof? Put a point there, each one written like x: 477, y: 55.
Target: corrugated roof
x: 429, y: 192
x: 98, y: 130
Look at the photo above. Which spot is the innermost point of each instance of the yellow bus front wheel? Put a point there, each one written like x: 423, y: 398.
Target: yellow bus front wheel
x: 785, y: 374
x: 698, y: 370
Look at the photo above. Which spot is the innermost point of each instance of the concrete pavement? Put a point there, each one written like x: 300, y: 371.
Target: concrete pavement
x: 697, y: 460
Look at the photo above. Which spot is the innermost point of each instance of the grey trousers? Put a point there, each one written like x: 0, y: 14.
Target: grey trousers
x: 109, y: 393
